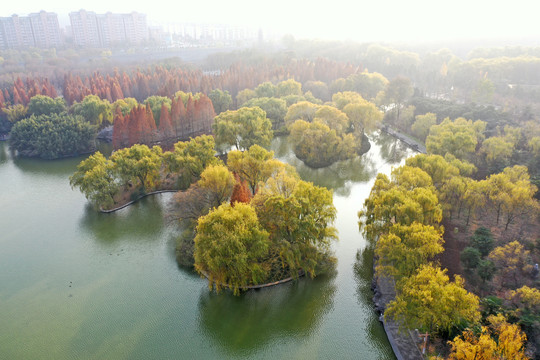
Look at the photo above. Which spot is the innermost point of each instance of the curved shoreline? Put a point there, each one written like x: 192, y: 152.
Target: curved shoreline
x: 260, y: 286
x: 134, y: 201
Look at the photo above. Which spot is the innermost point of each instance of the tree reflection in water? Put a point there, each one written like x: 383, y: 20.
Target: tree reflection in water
x: 363, y: 275
x: 339, y: 176
x: 243, y: 324
x: 392, y: 150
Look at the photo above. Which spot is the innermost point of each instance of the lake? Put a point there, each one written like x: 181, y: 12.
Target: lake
x: 78, y: 284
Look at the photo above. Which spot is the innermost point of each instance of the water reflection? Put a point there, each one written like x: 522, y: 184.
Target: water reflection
x: 3, y: 152
x: 142, y: 220
x: 244, y: 324
x: 392, y: 150
x: 60, y: 168
x: 363, y: 276
x: 339, y: 176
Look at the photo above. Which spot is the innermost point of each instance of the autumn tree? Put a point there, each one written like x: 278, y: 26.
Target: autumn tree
x: 406, y: 247
x: 499, y: 340
x: 218, y: 181
x: 428, y: 300
x: 230, y: 247
x: 512, y: 261
x: 303, y: 110
x: 240, y: 192
x: 156, y: 102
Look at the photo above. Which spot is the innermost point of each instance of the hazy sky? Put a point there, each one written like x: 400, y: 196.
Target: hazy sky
x: 386, y: 20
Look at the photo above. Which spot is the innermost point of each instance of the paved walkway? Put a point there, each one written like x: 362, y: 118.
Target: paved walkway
x: 418, y: 146
x: 404, y: 343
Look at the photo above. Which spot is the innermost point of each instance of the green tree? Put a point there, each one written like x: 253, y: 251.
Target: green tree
x: 428, y: 300
x: 288, y: 87
x: 155, y: 105
x: 299, y: 216
x: 230, y: 247
x: 125, y: 105
x: 470, y: 258
x: 243, y: 96
x: 44, y: 105
x: 420, y: 128
x: 332, y: 117
x: 255, y: 165
x: 275, y: 109
x: 53, y: 136
x: 190, y: 158
x: 218, y: 181
x: 397, y: 92
x: 458, y: 137
x: 243, y: 128
x: 139, y: 164
x: 362, y: 116
x: 266, y: 89
x: 95, y: 178
x: 221, y: 100
x: 497, y: 152
x: 318, y: 146
x: 482, y: 240
x: 94, y: 110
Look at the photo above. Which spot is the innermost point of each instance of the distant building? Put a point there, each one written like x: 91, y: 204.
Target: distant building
x: 35, y: 30
x: 103, y: 30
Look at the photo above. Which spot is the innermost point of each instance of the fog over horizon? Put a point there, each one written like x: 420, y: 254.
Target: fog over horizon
x: 416, y: 21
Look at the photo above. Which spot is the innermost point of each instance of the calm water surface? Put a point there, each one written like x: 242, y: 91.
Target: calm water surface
x: 77, y: 284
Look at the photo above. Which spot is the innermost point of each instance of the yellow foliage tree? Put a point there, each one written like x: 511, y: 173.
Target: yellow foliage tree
x: 500, y: 340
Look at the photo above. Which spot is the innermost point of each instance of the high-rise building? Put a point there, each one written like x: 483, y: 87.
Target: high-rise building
x: 102, y: 30
x: 35, y: 30
x: 84, y: 28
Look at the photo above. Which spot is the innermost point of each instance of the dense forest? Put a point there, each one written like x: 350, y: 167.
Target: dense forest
x: 455, y: 228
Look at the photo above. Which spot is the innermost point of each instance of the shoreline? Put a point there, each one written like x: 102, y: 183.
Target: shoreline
x: 261, y: 286
x: 134, y: 201
x: 403, y: 343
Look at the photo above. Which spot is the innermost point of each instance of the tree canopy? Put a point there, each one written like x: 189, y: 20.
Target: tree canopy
x: 243, y: 128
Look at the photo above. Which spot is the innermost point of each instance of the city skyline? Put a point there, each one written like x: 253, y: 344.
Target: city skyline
x: 386, y: 20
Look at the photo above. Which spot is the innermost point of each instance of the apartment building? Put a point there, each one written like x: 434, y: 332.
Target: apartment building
x: 103, y: 30
x: 35, y: 30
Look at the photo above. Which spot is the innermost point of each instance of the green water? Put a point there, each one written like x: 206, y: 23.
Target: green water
x: 76, y: 284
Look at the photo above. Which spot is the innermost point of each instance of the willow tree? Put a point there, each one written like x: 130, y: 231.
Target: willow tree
x: 96, y: 179
x: 299, y: 218
x: 230, y: 247
x: 243, y: 128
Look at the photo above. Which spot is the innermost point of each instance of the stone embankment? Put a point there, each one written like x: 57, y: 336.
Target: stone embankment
x: 405, y: 342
